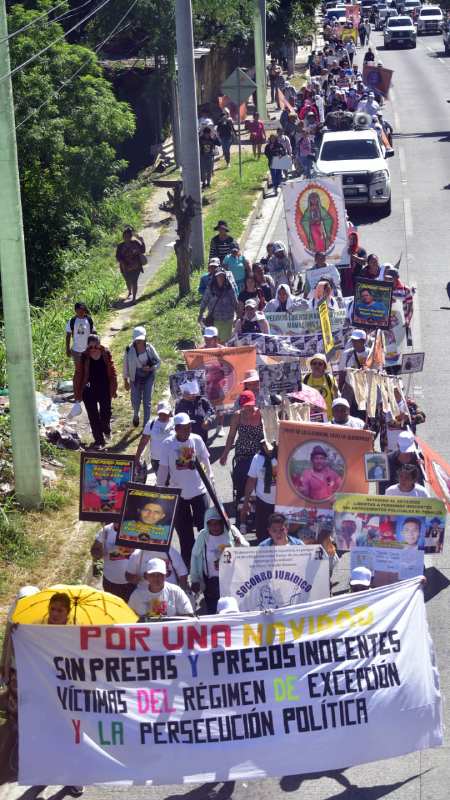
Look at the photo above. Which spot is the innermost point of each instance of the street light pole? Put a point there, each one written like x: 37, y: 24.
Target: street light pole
x: 190, y: 154
x: 259, y: 20
x: 16, y: 310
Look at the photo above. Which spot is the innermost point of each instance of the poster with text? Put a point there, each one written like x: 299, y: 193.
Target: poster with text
x: 315, y: 220
x: 244, y: 696
x: 148, y: 517
x: 263, y: 578
x: 372, y: 304
x: 437, y: 471
x: 377, y: 78
x: 416, y: 523
x: 388, y: 564
x: 103, y: 479
x: 306, y: 321
x: 286, y: 376
x: 225, y: 370
x: 177, y: 379
x: 315, y: 462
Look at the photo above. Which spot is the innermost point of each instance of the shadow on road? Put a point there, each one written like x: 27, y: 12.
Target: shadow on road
x: 207, y: 791
x: 425, y: 135
x: 351, y: 792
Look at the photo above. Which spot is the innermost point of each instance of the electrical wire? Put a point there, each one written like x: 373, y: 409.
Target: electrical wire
x: 80, y: 69
x: 58, y: 39
x: 33, y: 22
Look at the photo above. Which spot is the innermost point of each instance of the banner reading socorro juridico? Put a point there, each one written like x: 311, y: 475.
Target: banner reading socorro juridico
x: 306, y: 689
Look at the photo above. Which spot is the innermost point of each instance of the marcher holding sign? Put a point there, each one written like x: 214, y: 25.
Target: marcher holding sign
x: 148, y: 517
x: 103, y: 479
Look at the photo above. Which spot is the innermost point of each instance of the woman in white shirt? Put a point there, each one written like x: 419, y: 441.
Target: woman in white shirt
x: 407, y: 486
x: 156, y: 432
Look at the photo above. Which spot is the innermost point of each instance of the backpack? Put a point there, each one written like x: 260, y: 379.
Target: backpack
x: 72, y: 323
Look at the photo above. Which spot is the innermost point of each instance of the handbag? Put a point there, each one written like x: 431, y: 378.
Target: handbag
x: 143, y: 259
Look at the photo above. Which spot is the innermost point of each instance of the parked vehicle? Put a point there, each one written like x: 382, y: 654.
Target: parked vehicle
x: 400, y: 32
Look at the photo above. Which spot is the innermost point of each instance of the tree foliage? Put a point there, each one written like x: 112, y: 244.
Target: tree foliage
x: 67, y: 149
x: 293, y: 19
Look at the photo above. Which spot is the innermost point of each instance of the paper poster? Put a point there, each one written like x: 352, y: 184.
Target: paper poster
x: 412, y: 362
x: 377, y: 79
x: 103, y: 479
x: 225, y: 370
x: 372, y: 304
x: 376, y: 466
x: 325, y: 326
x: 263, y: 578
x: 268, y: 345
x: 315, y: 462
x: 286, y: 376
x: 313, y: 276
x: 352, y: 13
x: 382, y: 521
x: 305, y: 320
x: 387, y: 564
x: 177, y: 379
x: 229, y: 698
x: 437, y: 471
x: 395, y: 337
x: 315, y: 220
x: 148, y: 517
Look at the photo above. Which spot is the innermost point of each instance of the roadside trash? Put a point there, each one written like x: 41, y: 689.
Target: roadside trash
x: 47, y: 412
x: 75, y: 411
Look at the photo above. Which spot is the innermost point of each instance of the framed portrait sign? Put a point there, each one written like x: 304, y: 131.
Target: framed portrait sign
x: 372, y: 304
x: 376, y: 466
x: 412, y: 362
x: 103, y: 478
x: 148, y: 517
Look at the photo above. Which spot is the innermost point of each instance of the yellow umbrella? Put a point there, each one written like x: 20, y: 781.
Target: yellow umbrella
x: 89, y: 606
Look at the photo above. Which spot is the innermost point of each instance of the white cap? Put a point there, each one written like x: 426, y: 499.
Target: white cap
x: 318, y: 357
x: 190, y: 387
x: 360, y: 576
x: 163, y: 407
x: 227, y: 605
x: 251, y: 375
x: 210, y: 331
x: 181, y: 419
x: 27, y: 591
x: 359, y: 335
x: 155, y: 565
x: 215, y: 262
x: 251, y: 303
x: 340, y: 401
x: 405, y: 442
x: 139, y: 334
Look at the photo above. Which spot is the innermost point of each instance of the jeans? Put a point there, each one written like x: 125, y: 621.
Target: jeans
x: 226, y: 147
x: 189, y: 513
x: 307, y: 163
x: 122, y: 590
x: 276, y: 178
x: 240, y: 475
x: 98, y: 408
x: 141, y: 392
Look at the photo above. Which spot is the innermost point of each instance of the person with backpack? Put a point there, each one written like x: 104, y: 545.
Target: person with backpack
x: 318, y: 378
x: 140, y: 363
x: 220, y: 302
x: 156, y: 431
x: 78, y: 329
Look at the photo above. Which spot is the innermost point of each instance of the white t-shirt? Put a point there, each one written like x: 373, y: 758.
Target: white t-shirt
x: 158, y: 432
x: 171, y: 601
x: 115, y: 558
x: 350, y: 358
x: 418, y: 491
x: 81, y: 331
x: 180, y: 458
x: 215, y: 545
x: 257, y: 471
x: 137, y: 563
x: 352, y: 422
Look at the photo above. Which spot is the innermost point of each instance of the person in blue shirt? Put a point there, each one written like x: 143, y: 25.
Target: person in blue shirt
x: 278, y: 532
x: 237, y: 264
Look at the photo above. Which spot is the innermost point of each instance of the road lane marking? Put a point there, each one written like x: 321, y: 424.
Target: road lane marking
x: 409, y: 227
x: 392, y: 93
x: 402, y: 160
x: 396, y: 120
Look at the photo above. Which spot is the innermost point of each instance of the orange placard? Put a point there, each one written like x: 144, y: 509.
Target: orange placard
x: 437, y: 471
x: 226, y: 102
x: 377, y: 78
x: 225, y: 369
x: 317, y: 461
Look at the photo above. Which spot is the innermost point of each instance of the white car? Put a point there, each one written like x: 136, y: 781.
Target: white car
x: 399, y: 32
x: 430, y: 20
x: 359, y: 158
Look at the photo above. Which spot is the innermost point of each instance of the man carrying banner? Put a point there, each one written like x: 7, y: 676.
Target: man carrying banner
x: 156, y: 598
x: 341, y: 414
x: 278, y: 532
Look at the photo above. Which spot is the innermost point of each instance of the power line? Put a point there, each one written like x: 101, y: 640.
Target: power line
x: 58, y: 39
x: 33, y: 22
x: 80, y: 69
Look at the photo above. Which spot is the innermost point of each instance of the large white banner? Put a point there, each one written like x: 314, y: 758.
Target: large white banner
x: 316, y: 220
x: 305, y: 321
x: 271, y: 577
x: 309, y: 688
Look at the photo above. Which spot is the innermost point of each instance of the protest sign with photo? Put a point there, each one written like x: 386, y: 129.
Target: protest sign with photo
x: 326, y: 273
x: 372, y: 304
x: 177, y: 702
x: 376, y: 466
x: 437, y: 471
x: 352, y: 13
x: 286, y: 376
x: 377, y: 78
x: 395, y: 337
x: 148, y: 517
x: 268, y: 345
x: 103, y: 479
x: 305, y: 320
x: 317, y: 461
x: 177, y: 379
x: 263, y: 578
x: 388, y: 564
x: 387, y: 521
x: 412, y: 362
x: 315, y: 220
x: 225, y: 370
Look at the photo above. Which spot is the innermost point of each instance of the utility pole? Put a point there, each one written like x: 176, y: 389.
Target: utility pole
x: 259, y: 24
x: 16, y: 310
x: 190, y: 154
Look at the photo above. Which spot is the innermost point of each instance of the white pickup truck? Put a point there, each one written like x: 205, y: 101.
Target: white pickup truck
x: 360, y: 159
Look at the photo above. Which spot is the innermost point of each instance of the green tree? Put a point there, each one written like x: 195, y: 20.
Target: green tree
x: 67, y: 149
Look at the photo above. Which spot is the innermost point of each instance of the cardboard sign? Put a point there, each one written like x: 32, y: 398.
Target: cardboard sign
x: 225, y: 370
x: 263, y: 578
x: 103, y: 480
x: 372, y: 304
x: 148, y: 517
x: 416, y: 523
x: 377, y: 79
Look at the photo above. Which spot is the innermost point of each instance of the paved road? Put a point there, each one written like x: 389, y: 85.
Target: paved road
x: 418, y: 227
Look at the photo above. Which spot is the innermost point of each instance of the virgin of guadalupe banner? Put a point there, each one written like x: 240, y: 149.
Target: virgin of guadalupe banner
x: 225, y: 369
x: 315, y: 462
x: 315, y: 220
x: 316, y: 687
x: 437, y: 471
x: 410, y: 523
x: 103, y: 479
x: 148, y: 517
x: 271, y: 577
